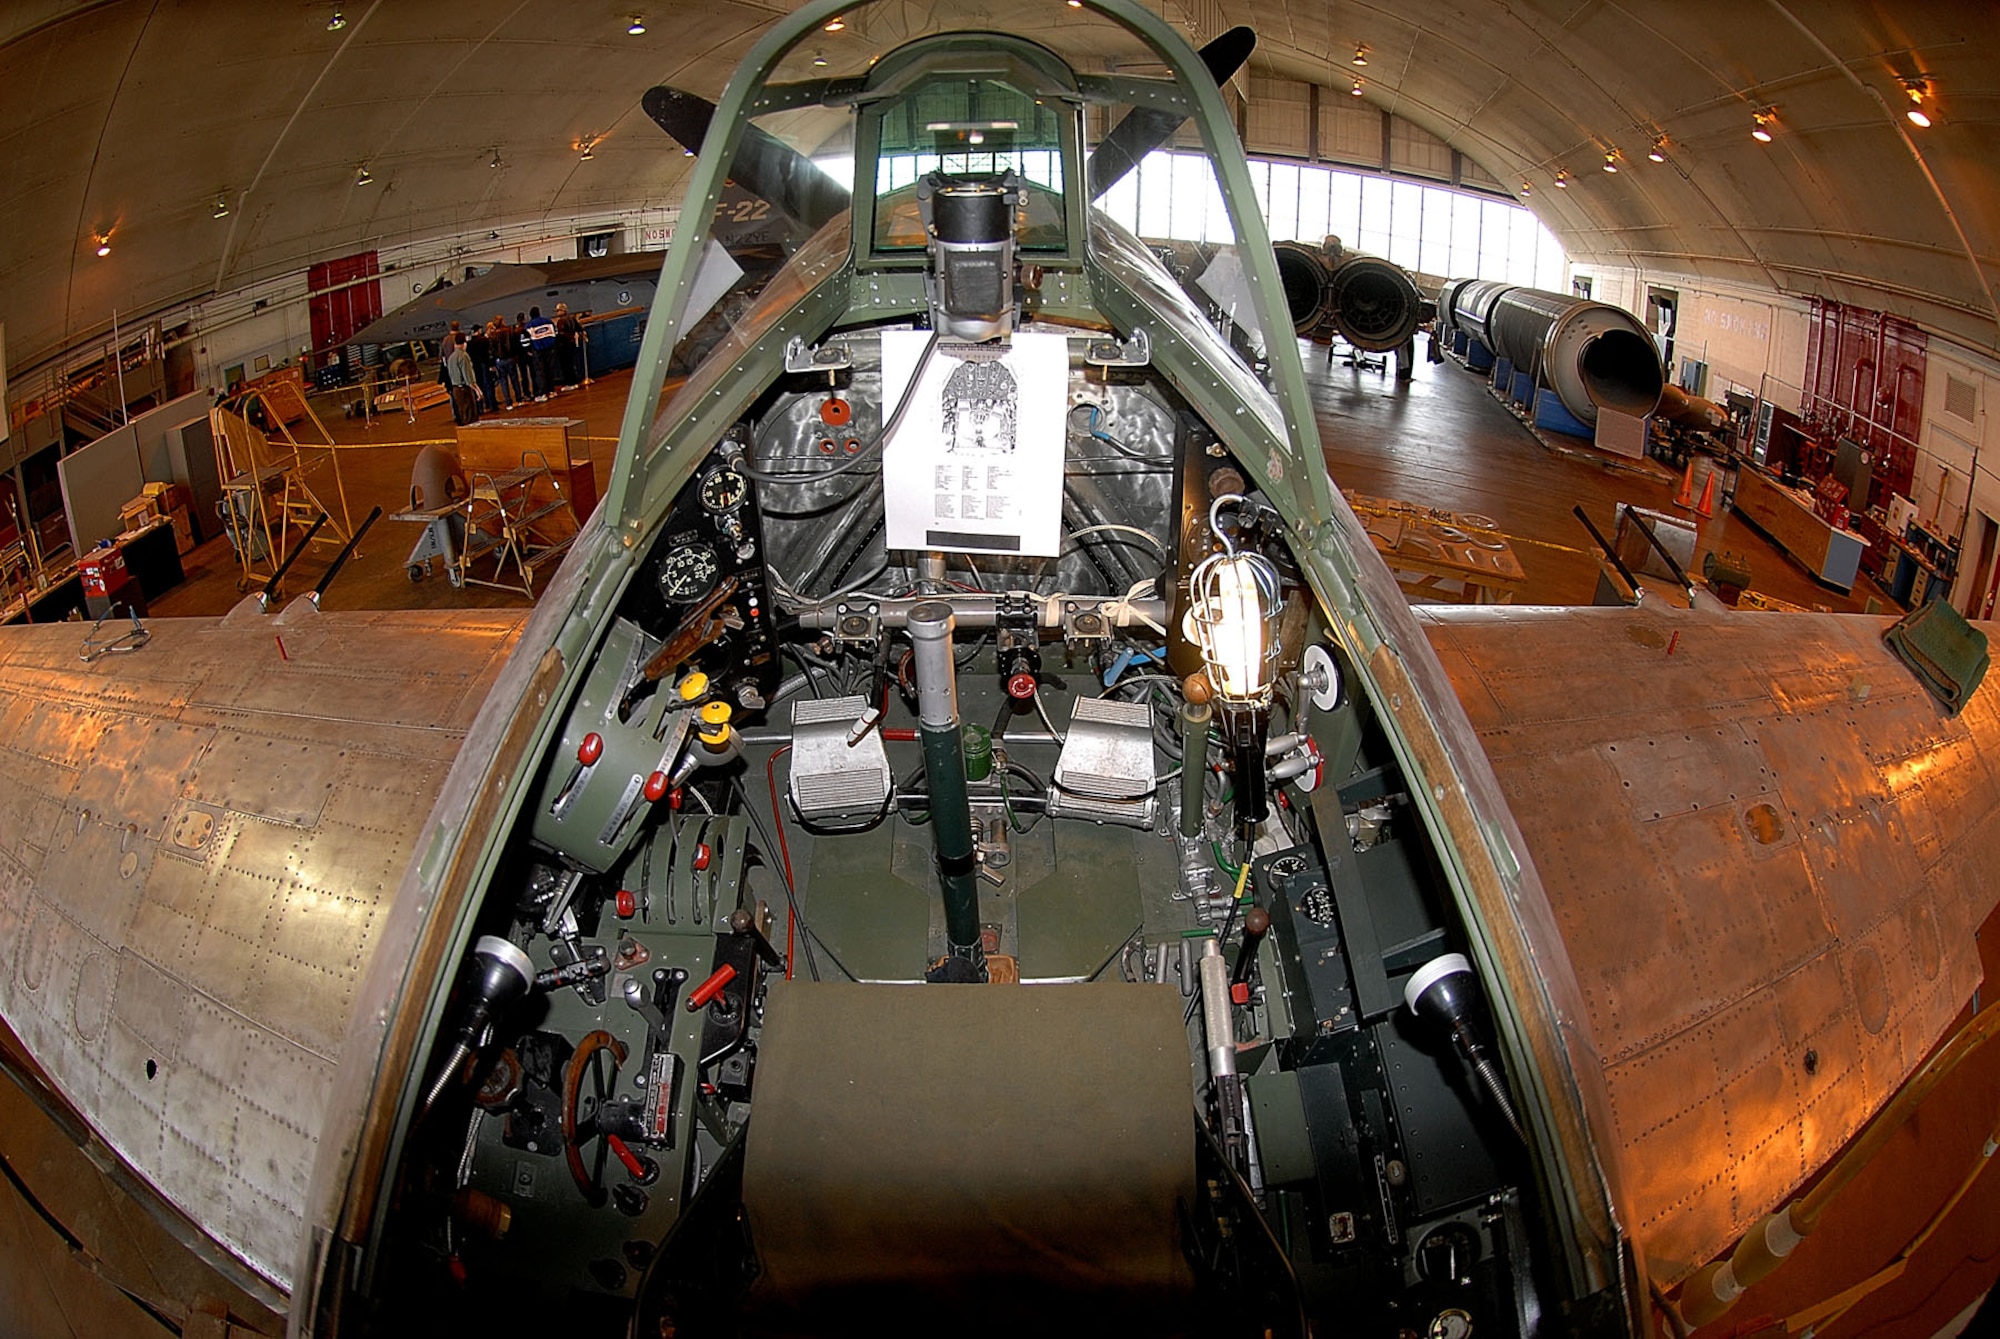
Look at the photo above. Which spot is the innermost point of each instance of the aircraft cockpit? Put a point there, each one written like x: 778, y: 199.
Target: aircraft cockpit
x: 973, y: 863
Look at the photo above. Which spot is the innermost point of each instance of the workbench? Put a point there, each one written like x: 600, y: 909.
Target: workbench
x: 1831, y: 555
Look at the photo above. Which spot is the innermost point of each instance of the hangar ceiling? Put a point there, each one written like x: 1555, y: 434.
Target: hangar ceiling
x: 132, y: 117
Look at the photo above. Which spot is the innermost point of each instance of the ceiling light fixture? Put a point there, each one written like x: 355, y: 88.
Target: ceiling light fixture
x: 362, y: 176
x: 1765, y: 118
x: 495, y: 161
x: 636, y: 28
x: 1356, y: 90
x: 337, y: 22
x: 835, y: 24
x: 1361, y: 54
x: 1917, y: 89
x: 221, y: 210
x: 1527, y: 189
x: 1611, y: 162
x: 1562, y: 180
x: 589, y: 150
x: 1076, y: 4
x: 103, y: 240
x: 1658, y: 153
x: 819, y: 59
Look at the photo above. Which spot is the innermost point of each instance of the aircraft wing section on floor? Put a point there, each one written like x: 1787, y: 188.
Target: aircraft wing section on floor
x: 1769, y: 850
x: 199, y: 841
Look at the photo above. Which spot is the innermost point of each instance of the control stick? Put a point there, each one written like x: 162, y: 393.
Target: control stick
x: 1444, y: 991
x: 501, y: 974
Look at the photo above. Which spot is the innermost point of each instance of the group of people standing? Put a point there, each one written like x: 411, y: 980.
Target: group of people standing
x: 503, y: 364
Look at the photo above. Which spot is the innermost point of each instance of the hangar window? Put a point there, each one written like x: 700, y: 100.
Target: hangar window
x: 1432, y: 230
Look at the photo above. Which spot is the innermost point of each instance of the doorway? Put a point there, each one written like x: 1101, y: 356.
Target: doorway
x: 1662, y: 309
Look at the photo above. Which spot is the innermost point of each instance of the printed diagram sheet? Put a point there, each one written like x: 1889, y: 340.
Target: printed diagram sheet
x: 976, y: 465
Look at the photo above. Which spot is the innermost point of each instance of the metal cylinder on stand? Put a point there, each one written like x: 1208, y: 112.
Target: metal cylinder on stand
x: 930, y: 628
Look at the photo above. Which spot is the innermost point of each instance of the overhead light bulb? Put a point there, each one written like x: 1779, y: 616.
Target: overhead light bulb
x: 1562, y: 180
x: 1076, y: 4
x: 337, y: 22
x: 1762, y: 132
x: 687, y: 153
x: 1611, y: 162
x: 819, y: 59
x: 636, y: 28
x: 103, y: 244
x: 589, y: 150
x: 221, y: 210
x: 1361, y: 55
x: 362, y: 176
x: 1526, y: 189
x: 835, y: 24
x: 1916, y: 88
x: 1658, y: 153
x: 1356, y: 90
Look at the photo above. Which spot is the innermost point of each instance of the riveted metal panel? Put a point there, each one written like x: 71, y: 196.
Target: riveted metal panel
x: 197, y: 853
x: 1767, y: 850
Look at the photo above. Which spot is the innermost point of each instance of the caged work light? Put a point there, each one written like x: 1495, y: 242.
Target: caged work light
x: 1234, y: 605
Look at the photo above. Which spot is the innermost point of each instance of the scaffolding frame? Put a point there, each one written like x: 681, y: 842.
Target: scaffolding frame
x: 268, y: 481
x: 502, y: 518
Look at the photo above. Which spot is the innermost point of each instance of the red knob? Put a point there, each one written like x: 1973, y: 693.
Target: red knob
x: 702, y: 855
x: 656, y: 787
x: 1239, y: 992
x: 699, y: 997
x: 1021, y: 686
x: 628, y: 904
x: 674, y: 800
x: 591, y: 749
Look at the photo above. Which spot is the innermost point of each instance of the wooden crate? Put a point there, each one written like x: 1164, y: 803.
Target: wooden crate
x: 496, y: 445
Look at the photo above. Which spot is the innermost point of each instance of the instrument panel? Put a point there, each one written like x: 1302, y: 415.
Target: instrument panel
x: 705, y: 586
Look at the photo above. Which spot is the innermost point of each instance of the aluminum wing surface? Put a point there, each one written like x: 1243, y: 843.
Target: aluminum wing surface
x: 199, y: 842
x: 1768, y: 849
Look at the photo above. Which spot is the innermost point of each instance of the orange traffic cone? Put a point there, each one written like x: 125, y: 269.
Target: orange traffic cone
x: 1685, y: 498
x: 1706, y: 507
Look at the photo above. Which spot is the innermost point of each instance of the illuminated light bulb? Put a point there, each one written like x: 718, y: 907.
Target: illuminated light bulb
x: 1611, y: 162
x: 1236, y: 604
x: 636, y: 28
x: 1526, y: 189
x: 104, y: 245
x: 1562, y: 180
x: 819, y: 59
x: 362, y: 176
x: 1762, y: 132
x: 1916, y: 88
x: 221, y: 210
x: 1361, y: 55
x: 337, y: 22
x: 1658, y: 153
x: 1356, y: 90
x: 835, y: 24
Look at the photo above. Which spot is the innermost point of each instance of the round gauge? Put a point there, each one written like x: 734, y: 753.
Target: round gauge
x: 1317, y: 904
x: 1287, y: 865
x: 723, y: 489
x: 687, y: 573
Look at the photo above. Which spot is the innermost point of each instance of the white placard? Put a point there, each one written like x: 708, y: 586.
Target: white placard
x: 976, y: 464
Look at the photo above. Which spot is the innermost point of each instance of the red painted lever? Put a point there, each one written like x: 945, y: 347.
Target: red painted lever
x: 591, y: 749
x: 626, y: 1156
x: 699, y: 997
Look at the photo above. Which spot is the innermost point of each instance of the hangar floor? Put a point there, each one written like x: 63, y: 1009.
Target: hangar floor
x: 1440, y: 440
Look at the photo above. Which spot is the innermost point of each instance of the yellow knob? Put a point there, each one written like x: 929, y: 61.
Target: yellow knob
x: 693, y: 686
